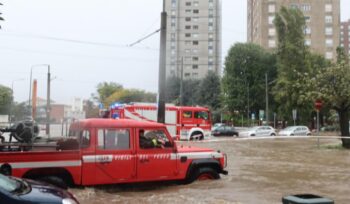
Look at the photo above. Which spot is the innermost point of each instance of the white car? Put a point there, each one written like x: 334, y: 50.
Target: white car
x: 295, y: 130
x: 258, y: 131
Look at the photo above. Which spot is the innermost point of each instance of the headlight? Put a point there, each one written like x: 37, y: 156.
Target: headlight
x: 69, y: 201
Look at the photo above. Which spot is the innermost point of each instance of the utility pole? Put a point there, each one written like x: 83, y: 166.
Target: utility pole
x: 162, y: 67
x: 48, y: 105
x: 267, y: 100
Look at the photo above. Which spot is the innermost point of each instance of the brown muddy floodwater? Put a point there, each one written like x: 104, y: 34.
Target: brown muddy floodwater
x: 260, y: 171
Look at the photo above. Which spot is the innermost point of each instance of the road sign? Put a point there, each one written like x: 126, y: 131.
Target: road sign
x: 261, y: 114
x: 318, y: 104
x: 294, y: 114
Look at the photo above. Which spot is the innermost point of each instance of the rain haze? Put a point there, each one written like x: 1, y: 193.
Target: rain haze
x: 85, y: 42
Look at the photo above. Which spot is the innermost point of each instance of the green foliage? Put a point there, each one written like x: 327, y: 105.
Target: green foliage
x: 20, y: 111
x: 91, y: 109
x: 106, y: 89
x: 5, y: 99
x: 204, y: 92
x: 208, y: 93
x: 291, y: 60
x: 244, y: 77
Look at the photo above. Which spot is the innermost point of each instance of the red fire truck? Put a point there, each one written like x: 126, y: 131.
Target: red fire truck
x: 185, y: 123
x: 107, y: 151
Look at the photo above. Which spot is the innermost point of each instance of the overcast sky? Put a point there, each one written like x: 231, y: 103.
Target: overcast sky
x: 32, y: 33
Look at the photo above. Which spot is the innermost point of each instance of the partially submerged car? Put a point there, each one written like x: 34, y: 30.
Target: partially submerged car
x: 258, y: 131
x: 295, y: 131
x: 225, y: 130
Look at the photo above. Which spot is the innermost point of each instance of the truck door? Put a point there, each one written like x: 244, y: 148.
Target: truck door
x: 155, y: 161
x: 114, y: 159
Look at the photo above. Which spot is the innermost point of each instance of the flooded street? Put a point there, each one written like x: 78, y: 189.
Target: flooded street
x: 260, y: 171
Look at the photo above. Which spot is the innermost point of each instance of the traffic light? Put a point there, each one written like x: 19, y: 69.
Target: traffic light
x: 1, y: 18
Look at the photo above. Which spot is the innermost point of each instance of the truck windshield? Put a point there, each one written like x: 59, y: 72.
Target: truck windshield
x: 8, y: 184
x: 201, y: 115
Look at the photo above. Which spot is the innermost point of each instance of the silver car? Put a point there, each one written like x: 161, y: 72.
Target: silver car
x: 258, y: 131
x: 295, y: 130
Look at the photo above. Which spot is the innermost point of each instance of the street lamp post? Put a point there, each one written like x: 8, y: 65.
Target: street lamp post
x: 13, y: 98
x: 48, y: 105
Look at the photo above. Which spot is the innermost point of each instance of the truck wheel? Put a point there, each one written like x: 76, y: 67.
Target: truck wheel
x: 54, y: 180
x: 207, y: 173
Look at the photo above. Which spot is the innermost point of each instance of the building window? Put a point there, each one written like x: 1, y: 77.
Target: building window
x: 210, y: 67
x: 195, y: 66
x: 195, y: 75
x: 210, y: 51
x: 307, y: 31
x: 173, y: 3
x: 187, y: 35
x: 308, y: 42
x: 329, y: 55
x: 173, y: 36
x: 188, y: 3
x: 305, y: 7
x: 195, y: 42
x: 272, y: 32
x: 329, y: 31
x: 187, y: 51
x: 195, y: 27
x: 196, y: 3
x: 195, y: 35
x: 329, y: 19
x: 271, y: 19
x: 187, y: 27
x: 294, y: 6
x: 210, y: 28
x: 211, y: 4
x: 173, y: 12
x: 195, y: 11
x: 328, y: 8
x: 188, y: 19
x: 195, y: 19
x: 272, y: 8
x: 187, y: 75
x: 195, y: 58
x: 211, y: 12
x: 307, y: 19
x: 188, y: 42
x: 272, y: 43
x: 188, y: 11
x: 329, y: 42
x: 195, y: 51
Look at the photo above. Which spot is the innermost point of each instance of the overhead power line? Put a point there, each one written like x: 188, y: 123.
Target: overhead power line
x: 144, y: 38
x: 72, y: 40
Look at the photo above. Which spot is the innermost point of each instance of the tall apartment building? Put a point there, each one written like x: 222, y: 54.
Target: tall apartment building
x: 322, y: 18
x: 345, y: 36
x: 193, y: 38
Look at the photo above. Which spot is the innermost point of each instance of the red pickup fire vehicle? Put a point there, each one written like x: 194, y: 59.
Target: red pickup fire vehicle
x: 106, y: 151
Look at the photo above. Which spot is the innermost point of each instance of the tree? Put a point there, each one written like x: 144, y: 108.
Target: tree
x: 91, y: 109
x: 105, y: 89
x: 244, y: 77
x: 291, y: 60
x: 172, y: 93
x: 208, y: 93
x: 131, y: 95
x: 5, y: 99
x: 331, y: 85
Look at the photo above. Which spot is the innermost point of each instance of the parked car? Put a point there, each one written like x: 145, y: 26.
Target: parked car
x: 216, y: 125
x: 20, y: 191
x: 258, y: 131
x: 295, y: 130
x: 225, y: 131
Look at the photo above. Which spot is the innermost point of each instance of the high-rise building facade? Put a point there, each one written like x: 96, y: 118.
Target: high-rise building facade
x: 193, y: 38
x: 345, y: 36
x: 322, y: 31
